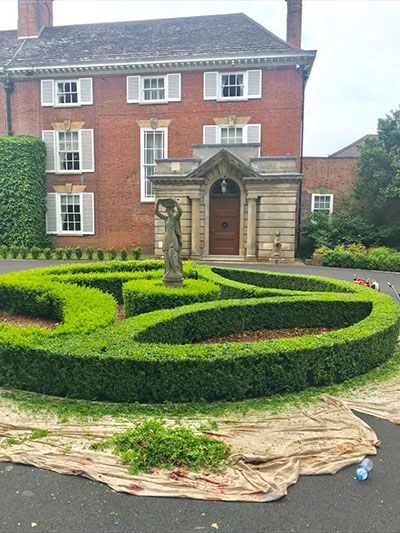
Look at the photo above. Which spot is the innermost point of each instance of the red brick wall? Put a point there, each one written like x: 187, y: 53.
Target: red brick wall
x: 326, y: 175
x: 120, y: 218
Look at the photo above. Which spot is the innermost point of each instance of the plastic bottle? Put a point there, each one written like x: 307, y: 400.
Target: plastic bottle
x: 364, y: 469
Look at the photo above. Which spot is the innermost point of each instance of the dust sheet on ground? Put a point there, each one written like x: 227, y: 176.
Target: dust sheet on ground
x: 268, y: 453
x: 382, y: 401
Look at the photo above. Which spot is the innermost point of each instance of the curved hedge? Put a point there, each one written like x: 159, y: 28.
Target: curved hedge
x: 145, y: 296
x: 150, y: 357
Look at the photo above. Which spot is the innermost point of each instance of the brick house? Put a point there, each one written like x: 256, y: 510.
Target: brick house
x: 207, y: 109
x: 328, y: 179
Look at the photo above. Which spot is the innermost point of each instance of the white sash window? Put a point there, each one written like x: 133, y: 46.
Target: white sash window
x: 153, y: 145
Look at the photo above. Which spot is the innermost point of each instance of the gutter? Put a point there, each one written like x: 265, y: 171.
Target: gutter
x: 305, y: 73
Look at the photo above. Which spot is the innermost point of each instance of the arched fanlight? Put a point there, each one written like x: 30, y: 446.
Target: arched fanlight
x: 224, y: 186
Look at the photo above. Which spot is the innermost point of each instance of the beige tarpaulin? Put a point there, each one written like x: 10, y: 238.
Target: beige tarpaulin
x: 382, y: 401
x: 268, y: 452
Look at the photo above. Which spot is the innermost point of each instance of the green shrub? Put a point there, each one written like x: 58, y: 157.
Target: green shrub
x: 59, y: 253
x: 112, y: 253
x: 23, y: 191
x: 376, y: 259
x: 124, y: 254
x: 48, y: 253
x: 35, y: 252
x: 100, y: 254
x: 89, y: 252
x: 3, y: 251
x: 143, y: 296
x: 150, y: 357
x: 137, y: 252
x: 14, y: 251
x: 78, y: 252
x: 24, y: 251
x: 152, y: 445
x: 68, y: 251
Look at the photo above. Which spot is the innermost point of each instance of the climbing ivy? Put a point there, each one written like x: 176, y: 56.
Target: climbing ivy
x: 22, y: 192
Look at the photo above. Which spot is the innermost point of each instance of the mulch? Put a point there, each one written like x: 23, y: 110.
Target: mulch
x: 266, y: 334
x: 24, y: 321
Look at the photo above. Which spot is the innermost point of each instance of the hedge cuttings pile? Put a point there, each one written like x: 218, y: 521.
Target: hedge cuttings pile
x: 150, y: 357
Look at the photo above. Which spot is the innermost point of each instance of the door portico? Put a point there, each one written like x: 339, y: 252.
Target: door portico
x: 230, y: 208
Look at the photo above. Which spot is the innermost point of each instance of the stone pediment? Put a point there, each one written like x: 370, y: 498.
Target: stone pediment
x: 224, y: 163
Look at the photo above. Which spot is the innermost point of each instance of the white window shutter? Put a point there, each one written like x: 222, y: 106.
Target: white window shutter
x: 87, y: 151
x: 174, y: 87
x: 210, y: 134
x: 51, y: 213
x: 254, y: 83
x: 253, y: 133
x: 210, y: 85
x: 86, y: 91
x: 49, y: 139
x: 132, y: 89
x: 47, y: 91
x: 88, y: 213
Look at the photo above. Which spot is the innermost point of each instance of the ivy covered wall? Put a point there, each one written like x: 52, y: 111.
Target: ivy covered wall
x: 23, y: 191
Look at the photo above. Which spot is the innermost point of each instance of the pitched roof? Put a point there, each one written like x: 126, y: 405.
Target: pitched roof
x: 353, y: 149
x: 220, y: 36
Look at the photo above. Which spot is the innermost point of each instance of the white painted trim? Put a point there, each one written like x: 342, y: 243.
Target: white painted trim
x: 222, y: 98
x: 57, y: 154
x: 73, y: 104
x: 313, y: 195
x: 142, y: 176
x: 225, y: 62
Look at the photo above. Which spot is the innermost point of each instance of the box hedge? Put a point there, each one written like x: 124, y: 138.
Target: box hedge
x: 150, y: 357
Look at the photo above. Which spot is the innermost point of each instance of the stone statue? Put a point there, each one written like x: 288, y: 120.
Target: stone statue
x: 277, y: 246
x: 173, y: 276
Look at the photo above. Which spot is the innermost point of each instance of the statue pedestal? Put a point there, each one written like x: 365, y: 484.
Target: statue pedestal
x: 173, y: 283
x: 276, y: 260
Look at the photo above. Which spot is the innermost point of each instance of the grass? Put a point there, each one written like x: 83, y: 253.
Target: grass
x: 66, y: 409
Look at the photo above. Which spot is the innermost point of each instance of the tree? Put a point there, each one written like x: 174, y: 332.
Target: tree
x: 344, y: 227
x: 377, y: 186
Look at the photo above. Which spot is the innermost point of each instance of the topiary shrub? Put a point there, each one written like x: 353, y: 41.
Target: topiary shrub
x: 89, y: 252
x: 68, y: 251
x: 3, y: 251
x: 14, y: 251
x: 147, y: 295
x: 59, y: 253
x: 123, y: 254
x: 112, y: 254
x: 137, y: 252
x: 24, y: 250
x: 23, y: 191
x: 78, y: 252
x: 151, y: 357
x: 100, y: 254
x: 48, y: 253
x: 35, y: 252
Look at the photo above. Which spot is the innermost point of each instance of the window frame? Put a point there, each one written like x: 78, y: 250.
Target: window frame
x: 60, y: 231
x: 220, y: 95
x: 59, y: 170
x: 158, y: 100
x: 143, y: 131
x: 318, y: 210
x: 236, y: 127
x: 78, y: 90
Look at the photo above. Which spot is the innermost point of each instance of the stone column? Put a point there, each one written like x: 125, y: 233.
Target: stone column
x: 251, y: 229
x: 195, y: 249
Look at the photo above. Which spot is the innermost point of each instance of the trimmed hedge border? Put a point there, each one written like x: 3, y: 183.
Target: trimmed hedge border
x: 148, y: 295
x: 149, y: 357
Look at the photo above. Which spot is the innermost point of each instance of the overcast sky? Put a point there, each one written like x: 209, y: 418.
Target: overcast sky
x: 356, y: 75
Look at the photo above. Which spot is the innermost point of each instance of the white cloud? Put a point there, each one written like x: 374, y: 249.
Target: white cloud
x: 356, y: 76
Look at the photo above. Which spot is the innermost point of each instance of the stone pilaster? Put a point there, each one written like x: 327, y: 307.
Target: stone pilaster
x: 251, y: 229
x: 195, y: 244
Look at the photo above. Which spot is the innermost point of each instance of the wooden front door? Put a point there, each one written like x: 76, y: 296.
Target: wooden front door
x: 224, y: 220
